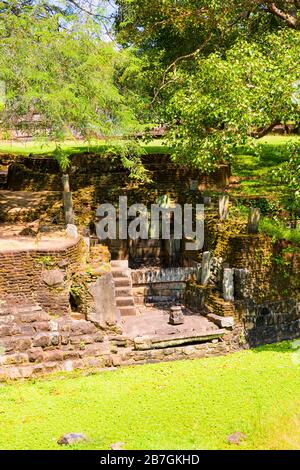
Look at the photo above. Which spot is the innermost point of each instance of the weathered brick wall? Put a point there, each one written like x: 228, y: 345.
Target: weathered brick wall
x: 108, y: 175
x: 33, y: 342
x: 269, y: 322
x: 38, y: 332
x: 267, y: 294
x: 273, y: 268
x: 266, y: 282
x: 43, y: 276
x: 95, y: 179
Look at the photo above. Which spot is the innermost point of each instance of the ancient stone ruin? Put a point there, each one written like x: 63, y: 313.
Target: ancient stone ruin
x: 70, y: 300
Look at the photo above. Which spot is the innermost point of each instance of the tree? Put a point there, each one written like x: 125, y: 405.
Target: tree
x: 172, y: 34
x: 288, y: 174
x: 219, y: 70
x: 59, y: 74
x: 179, y: 27
x: 211, y: 111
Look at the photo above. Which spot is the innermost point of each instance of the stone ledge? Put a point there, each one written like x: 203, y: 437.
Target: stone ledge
x: 222, y: 322
x: 160, y: 342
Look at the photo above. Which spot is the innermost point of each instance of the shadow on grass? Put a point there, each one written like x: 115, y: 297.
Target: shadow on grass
x: 269, y: 156
x: 98, y: 148
x: 283, y: 347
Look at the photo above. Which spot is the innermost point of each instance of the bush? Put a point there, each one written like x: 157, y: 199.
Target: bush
x: 279, y: 231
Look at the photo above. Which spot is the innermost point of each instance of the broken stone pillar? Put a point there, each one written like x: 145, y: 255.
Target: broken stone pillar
x: 104, y: 309
x: 67, y: 198
x: 253, y: 220
x: 228, y: 284
x: 172, y: 250
x: 205, y: 269
x: 223, y: 206
x: 71, y: 231
x: 194, y: 185
x: 176, y: 316
x: 68, y: 208
x: 66, y: 183
x: 241, y: 283
x: 207, y: 200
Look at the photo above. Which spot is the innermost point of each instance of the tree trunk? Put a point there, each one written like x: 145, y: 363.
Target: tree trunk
x: 68, y: 203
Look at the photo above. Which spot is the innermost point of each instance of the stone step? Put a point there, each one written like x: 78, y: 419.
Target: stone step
x: 123, y: 291
x: 118, y: 272
x: 127, y: 311
x: 122, y: 282
x: 125, y: 301
x: 119, y: 263
x: 123, y: 286
x: 222, y: 322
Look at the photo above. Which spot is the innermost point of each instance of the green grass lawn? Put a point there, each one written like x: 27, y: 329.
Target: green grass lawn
x: 254, y: 170
x: 72, y: 146
x: 179, y: 405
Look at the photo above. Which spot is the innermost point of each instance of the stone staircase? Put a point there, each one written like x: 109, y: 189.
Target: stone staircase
x: 118, y: 249
x: 215, y: 304
x: 123, y: 287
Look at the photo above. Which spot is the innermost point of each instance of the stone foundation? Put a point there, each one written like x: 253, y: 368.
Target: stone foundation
x: 42, y: 275
x: 32, y: 342
x: 65, y: 345
x: 38, y: 331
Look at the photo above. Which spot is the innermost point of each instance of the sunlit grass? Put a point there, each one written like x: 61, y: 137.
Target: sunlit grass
x: 179, y: 405
x: 73, y: 146
x: 279, y: 231
x: 279, y: 139
x: 254, y: 167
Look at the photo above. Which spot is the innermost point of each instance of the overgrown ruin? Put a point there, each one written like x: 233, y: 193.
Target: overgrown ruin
x: 69, y: 303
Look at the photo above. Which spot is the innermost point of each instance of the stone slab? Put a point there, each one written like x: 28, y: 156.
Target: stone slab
x: 160, y: 342
x: 222, y: 322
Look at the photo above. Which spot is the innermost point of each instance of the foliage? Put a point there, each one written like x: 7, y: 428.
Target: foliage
x: 45, y: 261
x: 211, y: 111
x: 129, y: 153
x: 68, y: 88
x: 151, y: 410
x: 279, y: 231
x: 288, y: 174
x: 266, y: 206
x: 168, y: 35
x: 172, y: 29
x: 211, y: 66
x: 62, y: 158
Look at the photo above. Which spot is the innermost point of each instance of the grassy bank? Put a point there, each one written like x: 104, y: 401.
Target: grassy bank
x: 254, y: 167
x: 70, y: 147
x: 179, y: 405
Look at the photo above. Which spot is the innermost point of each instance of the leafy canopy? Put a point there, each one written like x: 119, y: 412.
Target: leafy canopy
x: 211, y: 111
x: 60, y: 77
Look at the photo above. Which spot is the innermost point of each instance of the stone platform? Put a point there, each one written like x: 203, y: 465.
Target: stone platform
x: 152, y: 330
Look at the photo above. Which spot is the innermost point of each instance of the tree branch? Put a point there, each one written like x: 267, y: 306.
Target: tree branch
x: 88, y: 12
x: 291, y: 20
x: 173, y: 66
x: 264, y: 131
